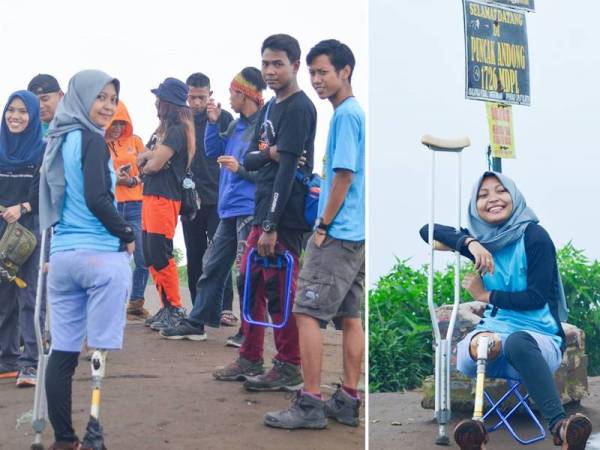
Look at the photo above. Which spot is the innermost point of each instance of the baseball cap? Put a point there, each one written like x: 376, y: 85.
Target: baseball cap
x: 43, y: 84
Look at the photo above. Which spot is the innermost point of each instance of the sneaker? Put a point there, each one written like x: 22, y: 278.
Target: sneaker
x: 281, y: 377
x: 307, y: 411
x: 8, y: 370
x: 184, y: 330
x: 170, y: 319
x: 235, y: 340
x: 156, y: 317
x: 470, y: 435
x: 136, y: 310
x: 27, y: 377
x: 343, y: 408
x: 572, y: 433
x: 239, y: 370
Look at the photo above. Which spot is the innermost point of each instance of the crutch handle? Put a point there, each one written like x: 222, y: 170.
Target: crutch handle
x: 445, y: 145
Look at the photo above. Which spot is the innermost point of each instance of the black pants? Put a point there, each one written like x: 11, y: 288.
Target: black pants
x: 197, y: 234
x: 524, y: 354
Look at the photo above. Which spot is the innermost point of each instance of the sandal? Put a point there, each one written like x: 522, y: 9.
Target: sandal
x: 470, y: 435
x: 572, y: 433
x: 228, y: 319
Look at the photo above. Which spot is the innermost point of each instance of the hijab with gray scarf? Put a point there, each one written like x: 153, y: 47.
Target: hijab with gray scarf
x: 495, y: 237
x: 73, y: 113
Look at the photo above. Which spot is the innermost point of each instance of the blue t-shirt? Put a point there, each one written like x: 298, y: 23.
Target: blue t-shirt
x: 510, y: 275
x: 346, y: 150
x: 78, y: 228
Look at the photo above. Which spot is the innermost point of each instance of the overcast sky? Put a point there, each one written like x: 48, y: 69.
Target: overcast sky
x: 416, y: 86
x: 141, y: 43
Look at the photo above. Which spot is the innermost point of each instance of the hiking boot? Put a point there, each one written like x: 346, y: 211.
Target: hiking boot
x: 156, y: 317
x: 343, y: 408
x: 27, y: 377
x: 235, y: 340
x: 572, y: 433
x: 136, y: 310
x: 170, y: 318
x: 307, y: 411
x: 8, y: 370
x: 62, y: 445
x: 470, y: 435
x: 184, y: 330
x: 239, y: 370
x: 281, y: 377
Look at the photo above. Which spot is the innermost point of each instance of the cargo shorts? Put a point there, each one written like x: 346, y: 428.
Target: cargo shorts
x: 331, y: 284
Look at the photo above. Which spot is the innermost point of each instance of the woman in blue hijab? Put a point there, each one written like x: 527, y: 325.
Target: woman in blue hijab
x: 21, y: 149
x: 519, y: 281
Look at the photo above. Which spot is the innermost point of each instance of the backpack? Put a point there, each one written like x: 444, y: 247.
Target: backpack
x: 312, y: 184
x: 17, y: 244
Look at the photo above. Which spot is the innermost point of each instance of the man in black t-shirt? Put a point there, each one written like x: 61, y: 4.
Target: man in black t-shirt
x: 199, y: 232
x: 285, y: 133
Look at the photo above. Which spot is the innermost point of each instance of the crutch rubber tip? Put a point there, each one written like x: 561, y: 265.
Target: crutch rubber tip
x: 442, y: 440
x: 37, y: 447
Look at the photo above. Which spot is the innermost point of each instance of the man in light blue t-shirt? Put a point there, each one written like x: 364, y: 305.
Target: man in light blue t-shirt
x: 331, y: 283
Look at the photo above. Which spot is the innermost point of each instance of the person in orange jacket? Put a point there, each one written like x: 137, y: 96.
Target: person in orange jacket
x: 124, y: 147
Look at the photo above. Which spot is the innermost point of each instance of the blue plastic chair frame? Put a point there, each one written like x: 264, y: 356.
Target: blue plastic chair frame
x: 504, y: 419
x: 278, y: 262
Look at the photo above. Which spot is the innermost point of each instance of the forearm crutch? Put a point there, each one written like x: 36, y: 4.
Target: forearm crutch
x: 279, y: 261
x: 39, y: 417
x: 443, y: 345
x: 94, y: 438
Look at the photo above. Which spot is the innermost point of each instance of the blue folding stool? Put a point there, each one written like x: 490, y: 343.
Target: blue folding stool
x: 495, y: 407
x: 280, y: 261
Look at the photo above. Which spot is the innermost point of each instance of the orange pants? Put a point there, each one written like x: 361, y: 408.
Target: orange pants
x: 159, y: 220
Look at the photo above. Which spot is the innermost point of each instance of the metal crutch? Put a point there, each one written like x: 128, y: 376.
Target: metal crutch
x: 443, y: 345
x: 39, y: 417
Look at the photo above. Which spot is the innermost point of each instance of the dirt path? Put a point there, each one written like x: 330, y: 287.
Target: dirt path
x: 160, y: 394
x: 397, y: 421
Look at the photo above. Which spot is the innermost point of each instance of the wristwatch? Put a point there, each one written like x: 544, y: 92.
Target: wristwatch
x: 268, y: 226
x: 23, y: 210
x: 319, y: 224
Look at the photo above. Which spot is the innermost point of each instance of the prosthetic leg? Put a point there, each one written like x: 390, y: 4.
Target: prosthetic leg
x: 39, y: 417
x: 443, y: 345
x: 93, y: 439
x: 472, y: 434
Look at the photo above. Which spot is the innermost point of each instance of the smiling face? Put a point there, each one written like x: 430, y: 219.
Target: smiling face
x: 494, y: 203
x: 104, y: 107
x: 16, y: 116
x: 325, y: 79
x: 115, y: 130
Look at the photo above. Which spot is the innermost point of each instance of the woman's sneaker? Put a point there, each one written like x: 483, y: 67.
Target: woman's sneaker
x: 155, y: 318
x: 170, y: 318
x: 572, y: 433
x: 27, y: 377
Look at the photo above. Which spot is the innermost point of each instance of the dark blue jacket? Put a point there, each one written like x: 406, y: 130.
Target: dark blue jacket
x: 236, y: 190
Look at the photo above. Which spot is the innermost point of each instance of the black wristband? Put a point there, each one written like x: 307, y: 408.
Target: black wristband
x: 471, y: 241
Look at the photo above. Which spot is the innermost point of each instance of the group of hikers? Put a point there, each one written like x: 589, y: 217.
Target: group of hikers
x: 70, y: 162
